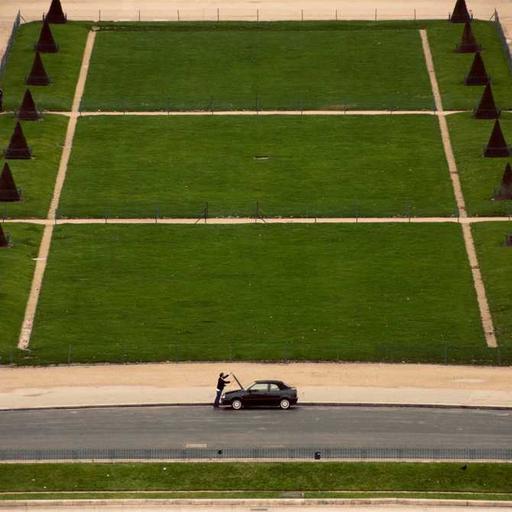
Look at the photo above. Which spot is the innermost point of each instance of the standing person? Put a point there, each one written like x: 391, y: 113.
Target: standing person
x: 221, y: 384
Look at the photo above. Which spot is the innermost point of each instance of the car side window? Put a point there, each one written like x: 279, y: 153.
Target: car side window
x: 274, y: 387
x: 259, y: 386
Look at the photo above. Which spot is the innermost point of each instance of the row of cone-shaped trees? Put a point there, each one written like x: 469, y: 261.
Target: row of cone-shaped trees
x: 18, y: 147
x: 486, y: 109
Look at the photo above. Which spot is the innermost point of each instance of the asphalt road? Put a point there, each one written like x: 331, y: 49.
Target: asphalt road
x: 201, y: 427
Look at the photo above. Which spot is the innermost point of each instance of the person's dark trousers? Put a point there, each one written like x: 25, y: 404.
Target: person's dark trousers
x: 217, y: 398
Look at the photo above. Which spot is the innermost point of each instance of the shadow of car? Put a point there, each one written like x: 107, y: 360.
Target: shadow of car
x: 262, y: 393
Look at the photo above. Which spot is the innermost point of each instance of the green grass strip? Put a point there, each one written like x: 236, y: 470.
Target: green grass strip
x: 480, y: 176
x: 267, y: 477
x: 496, y: 265
x: 248, y: 69
x: 16, y: 271
x: 36, y: 177
x: 394, y: 292
x: 291, y: 165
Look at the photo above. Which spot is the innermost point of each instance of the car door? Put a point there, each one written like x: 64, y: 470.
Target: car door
x: 256, y: 394
x: 274, y: 394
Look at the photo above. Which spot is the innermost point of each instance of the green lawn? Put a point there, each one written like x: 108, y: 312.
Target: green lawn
x: 451, y: 67
x: 271, y: 476
x: 480, y: 176
x: 316, y: 166
x: 63, y: 67
x: 268, y: 66
x: 16, y: 271
x: 496, y: 264
x: 393, y: 292
x: 36, y: 177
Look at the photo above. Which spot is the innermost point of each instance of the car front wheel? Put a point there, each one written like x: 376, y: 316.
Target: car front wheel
x: 284, y: 404
x: 236, y: 404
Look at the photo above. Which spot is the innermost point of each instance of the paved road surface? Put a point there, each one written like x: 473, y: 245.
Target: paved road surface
x: 180, y: 427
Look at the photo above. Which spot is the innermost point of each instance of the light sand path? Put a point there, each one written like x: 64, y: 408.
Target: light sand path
x: 264, y: 220
x: 251, y: 505
x: 265, y: 113
x: 261, y: 113
x: 485, y: 312
x: 348, y: 383
x: 44, y: 249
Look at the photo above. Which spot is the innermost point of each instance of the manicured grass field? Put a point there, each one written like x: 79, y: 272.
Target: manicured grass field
x: 283, y: 65
x: 480, y: 176
x: 276, y: 476
x: 496, y: 264
x: 452, y: 67
x: 35, y: 177
x: 62, y: 67
x: 394, y: 292
x: 16, y: 269
x: 292, y: 165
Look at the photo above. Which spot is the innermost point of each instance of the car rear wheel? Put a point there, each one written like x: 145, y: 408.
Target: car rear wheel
x: 236, y: 404
x: 284, y: 404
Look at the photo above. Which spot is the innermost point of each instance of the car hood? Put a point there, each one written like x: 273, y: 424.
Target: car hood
x: 234, y: 392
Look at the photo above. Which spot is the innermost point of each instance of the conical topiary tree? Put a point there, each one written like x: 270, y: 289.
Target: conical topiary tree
x: 505, y: 190
x: 56, y: 14
x: 487, y: 107
x: 38, y: 74
x: 477, y: 74
x: 28, y: 110
x: 8, y: 190
x: 18, y: 148
x: 497, y: 146
x: 460, y: 13
x: 468, y: 43
x: 46, y: 43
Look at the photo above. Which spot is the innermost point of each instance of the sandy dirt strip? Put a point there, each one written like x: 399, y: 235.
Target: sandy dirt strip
x: 485, y: 312
x: 348, y: 383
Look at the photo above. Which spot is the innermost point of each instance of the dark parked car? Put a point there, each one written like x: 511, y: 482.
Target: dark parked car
x: 262, y: 393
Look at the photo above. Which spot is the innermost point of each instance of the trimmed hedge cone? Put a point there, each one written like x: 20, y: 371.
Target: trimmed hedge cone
x: 497, y: 146
x: 8, y: 190
x: 18, y: 148
x: 505, y: 190
x: 460, y: 13
x: 56, y: 14
x: 487, y: 107
x: 477, y: 74
x: 468, y: 43
x: 46, y: 43
x: 28, y: 110
x: 38, y: 74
